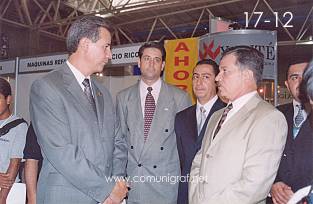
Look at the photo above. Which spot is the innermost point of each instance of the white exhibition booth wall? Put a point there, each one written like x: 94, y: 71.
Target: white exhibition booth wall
x: 30, y: 69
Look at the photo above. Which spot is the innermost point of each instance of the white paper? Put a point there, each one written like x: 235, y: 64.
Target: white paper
x: 17, y: 194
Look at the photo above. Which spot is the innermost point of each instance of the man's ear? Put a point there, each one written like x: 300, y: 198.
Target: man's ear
x: 163, y: 65
x: 9, y: 99
x: 84, y: 43
x: 287, y: 85
x: 138, y: 62
x: 248, y: 74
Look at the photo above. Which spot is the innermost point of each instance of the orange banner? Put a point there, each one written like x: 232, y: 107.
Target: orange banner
x: 181, y: 58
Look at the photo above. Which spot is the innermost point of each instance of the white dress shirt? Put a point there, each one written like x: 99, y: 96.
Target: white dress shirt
x: 207, y: 106
x: 238, y: 104
x: 79, y: 76
x: 156, y: 87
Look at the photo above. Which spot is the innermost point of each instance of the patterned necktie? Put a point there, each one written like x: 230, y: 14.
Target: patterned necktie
x: 298, y: 121
x: 223, y: 118
x: 299, y: 117
x: 202, y: 119
x: 149, y: 112
x: 88, y: 93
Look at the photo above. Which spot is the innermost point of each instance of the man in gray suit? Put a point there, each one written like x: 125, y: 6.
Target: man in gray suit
x: 74, y: 120
x: 147, y: 111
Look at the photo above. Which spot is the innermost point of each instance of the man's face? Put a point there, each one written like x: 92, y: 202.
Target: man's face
x: 203, y: 82
x: 230, y: 80
x: 99, y: 53
x: 4, y: 104
x: 151, y: 64
x: 294, y: 79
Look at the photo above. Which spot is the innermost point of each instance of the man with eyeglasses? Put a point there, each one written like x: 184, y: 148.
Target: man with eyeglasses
x: 147, y: 111
x: 190, y: 124
x: 296, y: 166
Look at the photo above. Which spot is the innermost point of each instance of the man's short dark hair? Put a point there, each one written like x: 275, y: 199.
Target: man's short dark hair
x: 85, y: 27
x: 156, y: 45
x: 5, y: 88
x: 248, y: 58
x: 209, y: 62
x: 294, y: 61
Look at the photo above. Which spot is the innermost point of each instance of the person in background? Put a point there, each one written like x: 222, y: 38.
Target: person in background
x: 75, y: 123
x: 147, y: 111
x: 294, y: 171
x: 243, y: 143
x: 190, y: 124
x: 12, y: 142
x: 33, y: 163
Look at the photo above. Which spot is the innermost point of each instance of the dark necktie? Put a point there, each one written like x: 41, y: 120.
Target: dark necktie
x: 88, y: 93
x: 223, y: 118
x: 149, y: 112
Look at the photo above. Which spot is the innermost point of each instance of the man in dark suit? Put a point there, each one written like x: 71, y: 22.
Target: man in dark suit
x: 190, y: 124
x: 74, y: 120
x: 296, y: 169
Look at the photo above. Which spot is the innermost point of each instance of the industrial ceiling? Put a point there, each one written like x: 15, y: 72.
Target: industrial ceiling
x: 143, y: 20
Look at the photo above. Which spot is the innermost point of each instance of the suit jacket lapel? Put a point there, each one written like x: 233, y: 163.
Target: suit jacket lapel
x: 135, y: 104
x: 192, y: 117
x: 77, y: 93
x: 289, y: 117
x: 236, y: 119
x: 164, y: 108
x: 216, y: 106
x: 99, y: 103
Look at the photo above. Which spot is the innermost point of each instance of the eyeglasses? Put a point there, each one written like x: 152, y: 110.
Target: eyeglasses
x: 148, y: 59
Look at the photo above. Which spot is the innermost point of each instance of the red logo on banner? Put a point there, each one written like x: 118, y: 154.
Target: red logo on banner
x: 208, y: 51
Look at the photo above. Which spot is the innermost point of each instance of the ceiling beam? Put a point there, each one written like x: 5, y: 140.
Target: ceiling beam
x: 6, y: 7
x: 168, y: 28
x: 151, y: 30
x: 199, y: 20
x: 26, y: 11
x: 180, y: 11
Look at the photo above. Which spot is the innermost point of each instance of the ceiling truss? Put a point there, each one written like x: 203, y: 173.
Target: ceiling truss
x: 53, y: 18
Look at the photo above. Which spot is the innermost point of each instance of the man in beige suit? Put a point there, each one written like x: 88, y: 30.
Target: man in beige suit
x: 243, y: 143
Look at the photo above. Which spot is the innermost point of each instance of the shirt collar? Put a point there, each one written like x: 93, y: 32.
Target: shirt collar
x: 242, y: 100
x: 155, y: 87
x: 295, y: 103
x: 78, y: 75
x: 208, y: 105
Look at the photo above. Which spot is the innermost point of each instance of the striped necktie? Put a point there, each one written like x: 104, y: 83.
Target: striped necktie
x: 223, y: 118
x: 88, y: 93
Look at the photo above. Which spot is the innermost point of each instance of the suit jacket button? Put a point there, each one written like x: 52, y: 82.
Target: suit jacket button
x: 139, y: 165
x: 132, y: 147
x: 207, y: 156
x: 154, y: 166
x: 162, y: 148
x: 166, y: 130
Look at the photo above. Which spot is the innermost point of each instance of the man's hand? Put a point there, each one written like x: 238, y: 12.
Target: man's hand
x: 281, y: 193
x: 6, y: 181
x: 118, y: 193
